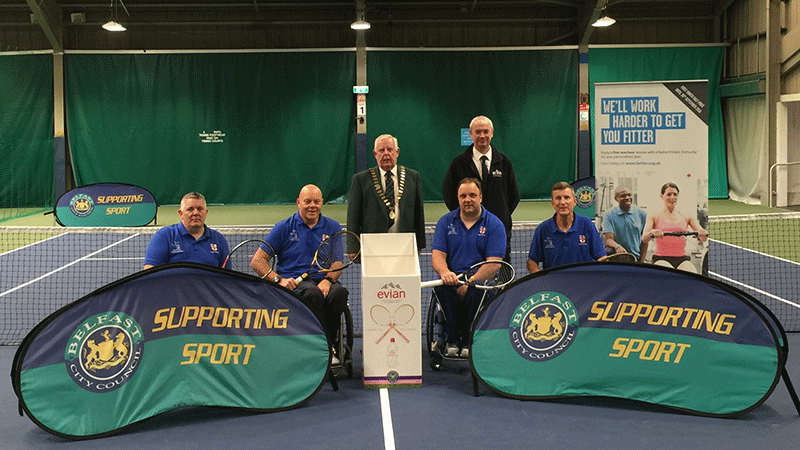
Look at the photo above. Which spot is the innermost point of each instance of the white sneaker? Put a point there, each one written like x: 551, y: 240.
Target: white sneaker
x: 452, y: 351
x: 465, y: 352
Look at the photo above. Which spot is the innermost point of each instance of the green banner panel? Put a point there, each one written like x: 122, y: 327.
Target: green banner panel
x: 425, y: 99
x: 691, y: 343
x: 238, y: 127
x: 106, y: 205
x: 26, y: 120
x: 176, y: 335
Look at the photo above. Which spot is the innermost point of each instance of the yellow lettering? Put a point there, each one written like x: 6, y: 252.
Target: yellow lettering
x: 159, y: 319
x: 188, y: 352
x: 619, y: 345
x: 189, y: 313
x: 648, y: 350
x: 723, y: 326
x: 219, y: 353
x: 597, y: 310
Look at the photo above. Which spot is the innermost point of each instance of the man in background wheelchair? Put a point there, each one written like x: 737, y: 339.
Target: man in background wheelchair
x: 463, y: 237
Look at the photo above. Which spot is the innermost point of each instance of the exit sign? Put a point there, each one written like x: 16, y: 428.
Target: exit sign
x: 360, y: 89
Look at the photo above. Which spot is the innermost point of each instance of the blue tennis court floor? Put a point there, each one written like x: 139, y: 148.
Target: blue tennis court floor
x: 442, y: 414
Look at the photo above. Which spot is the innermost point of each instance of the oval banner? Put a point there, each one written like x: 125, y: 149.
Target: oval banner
x: 177, y: 335
x: 631, y: 331
x: 106, y: 205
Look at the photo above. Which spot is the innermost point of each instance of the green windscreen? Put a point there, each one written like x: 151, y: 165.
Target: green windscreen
x: 26, y: 121
x: 426, y: 98
x: 608, y: 65
x: 239, y: 127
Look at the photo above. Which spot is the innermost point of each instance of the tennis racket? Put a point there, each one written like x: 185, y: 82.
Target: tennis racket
x: 334, y: 254
x: 486, y: 275
x: 240, y: 257
x: 401, y: 316
x: 621, y: 257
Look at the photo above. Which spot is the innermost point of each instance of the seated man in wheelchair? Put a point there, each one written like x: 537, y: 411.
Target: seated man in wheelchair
x: 463, y: 237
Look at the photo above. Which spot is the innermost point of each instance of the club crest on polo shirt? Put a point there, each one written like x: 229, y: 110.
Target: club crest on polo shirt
x: 294, y: 236
x: 176, y: 247
x: 213, y: 248
x: 104, y: 352
x: 482, y: 231
x: 543, y: 326
x: 548, y: 243
x: 582, y: 239
x: 451, y: 229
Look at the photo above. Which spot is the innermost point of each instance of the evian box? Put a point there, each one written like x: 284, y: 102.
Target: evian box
x: 390, y: 301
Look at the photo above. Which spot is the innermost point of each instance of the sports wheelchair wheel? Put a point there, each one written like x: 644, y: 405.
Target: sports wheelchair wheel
x: 343, y: 345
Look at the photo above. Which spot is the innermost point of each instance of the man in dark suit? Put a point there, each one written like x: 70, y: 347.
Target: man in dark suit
x: 387, y: 198
x: 484, y: 162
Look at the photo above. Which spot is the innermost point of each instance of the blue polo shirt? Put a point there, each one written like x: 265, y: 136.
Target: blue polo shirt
x: 486, y: 238
x: 174, y: 243
x: 554, y: 247
x: 627, y: 227
x: 295, y: 244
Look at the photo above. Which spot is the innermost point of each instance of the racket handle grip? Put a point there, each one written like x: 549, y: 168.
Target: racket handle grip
x: 298, y: 279
x: 432, y: 283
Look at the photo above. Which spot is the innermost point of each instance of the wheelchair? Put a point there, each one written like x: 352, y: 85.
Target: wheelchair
x: 436, y: 333
x: 343, y: 345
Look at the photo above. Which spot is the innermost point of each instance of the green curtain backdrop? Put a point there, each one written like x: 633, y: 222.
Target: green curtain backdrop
x: 26, y: 121
x: 238, y: 127
x: 425, y: 98
x: 607, y: 65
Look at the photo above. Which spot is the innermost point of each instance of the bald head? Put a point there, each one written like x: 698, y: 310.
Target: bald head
x: 309, y: 204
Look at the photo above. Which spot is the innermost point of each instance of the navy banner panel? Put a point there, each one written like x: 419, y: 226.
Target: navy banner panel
x: 632, y: 331
x: 177, y: 335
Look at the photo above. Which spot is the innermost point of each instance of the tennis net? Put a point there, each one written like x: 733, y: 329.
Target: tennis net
x: 45, y: 268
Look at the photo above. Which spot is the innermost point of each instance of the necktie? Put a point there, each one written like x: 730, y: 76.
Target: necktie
x: 485, y: 170
x: 390, y: 196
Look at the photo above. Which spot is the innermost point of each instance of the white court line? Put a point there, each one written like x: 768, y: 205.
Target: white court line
x: 386, y: 416
x: 66, y: 265
x: 755, y: 251
x: 747, y: 286
x: 130, y: 258
x: 32, y: 244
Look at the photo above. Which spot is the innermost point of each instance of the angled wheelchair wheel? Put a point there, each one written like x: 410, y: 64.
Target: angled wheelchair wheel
x: 434, y: 329
x: 344, y: 345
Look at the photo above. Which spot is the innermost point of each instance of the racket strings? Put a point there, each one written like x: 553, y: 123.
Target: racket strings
x: 490, y: 274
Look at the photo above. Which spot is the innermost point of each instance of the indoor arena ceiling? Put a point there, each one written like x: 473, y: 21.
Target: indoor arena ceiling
x: 58, y: 17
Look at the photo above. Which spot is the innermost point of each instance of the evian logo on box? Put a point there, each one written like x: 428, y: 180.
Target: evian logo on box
x: 391, y: 290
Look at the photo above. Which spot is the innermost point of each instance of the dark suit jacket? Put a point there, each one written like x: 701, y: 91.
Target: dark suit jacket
x: 366, y: 213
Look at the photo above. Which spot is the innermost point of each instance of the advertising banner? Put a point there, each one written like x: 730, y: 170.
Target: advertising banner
x: 650, y: 137
x: 177, y: 335
x: 106, y: 205
x: 670, y: 338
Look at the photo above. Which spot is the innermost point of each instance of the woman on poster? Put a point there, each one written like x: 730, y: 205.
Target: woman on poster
x: 669, y: 228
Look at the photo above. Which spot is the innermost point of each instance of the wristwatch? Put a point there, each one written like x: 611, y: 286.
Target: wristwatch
x: 276, y: 279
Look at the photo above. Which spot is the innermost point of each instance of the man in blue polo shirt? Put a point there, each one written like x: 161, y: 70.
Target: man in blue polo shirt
x: 295, y: 240
x: 189, y: 240
x: 463, y: 237
x: 566, y: 237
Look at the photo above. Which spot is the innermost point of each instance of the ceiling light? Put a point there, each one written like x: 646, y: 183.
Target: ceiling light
x: 603, y: 21
x: 113, y: 26
x: 360, y: 23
